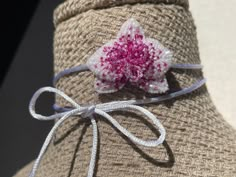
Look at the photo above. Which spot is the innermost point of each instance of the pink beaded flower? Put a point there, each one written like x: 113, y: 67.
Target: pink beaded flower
x: 131, y: 58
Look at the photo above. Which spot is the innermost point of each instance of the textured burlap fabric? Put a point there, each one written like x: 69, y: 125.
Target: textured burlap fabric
x: 199, y: 142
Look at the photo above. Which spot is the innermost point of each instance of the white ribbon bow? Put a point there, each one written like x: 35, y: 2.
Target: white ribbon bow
x: 102, y: 110
x: 88, y: 112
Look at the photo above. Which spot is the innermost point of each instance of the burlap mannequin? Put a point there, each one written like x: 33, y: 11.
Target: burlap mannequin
x: 199, y: 142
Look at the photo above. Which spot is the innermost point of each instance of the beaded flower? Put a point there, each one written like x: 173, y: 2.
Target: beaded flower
x: 132, y: 58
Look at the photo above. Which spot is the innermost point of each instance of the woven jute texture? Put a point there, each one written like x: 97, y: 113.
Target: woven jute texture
x: 199, y: 142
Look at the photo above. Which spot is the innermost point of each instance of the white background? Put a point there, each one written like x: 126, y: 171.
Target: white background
x: 216, y: 27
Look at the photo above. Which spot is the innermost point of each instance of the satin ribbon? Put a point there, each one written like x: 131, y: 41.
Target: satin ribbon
x: 84, y: 67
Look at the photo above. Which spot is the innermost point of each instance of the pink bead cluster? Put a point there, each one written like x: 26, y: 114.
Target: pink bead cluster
x: 131, y: 58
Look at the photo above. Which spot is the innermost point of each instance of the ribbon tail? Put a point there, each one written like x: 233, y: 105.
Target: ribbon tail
x: 47, y: 142
x: 94, y: 148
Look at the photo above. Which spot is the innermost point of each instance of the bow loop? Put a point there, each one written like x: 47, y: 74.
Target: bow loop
x: 38, y: 93
x: 152, y: 117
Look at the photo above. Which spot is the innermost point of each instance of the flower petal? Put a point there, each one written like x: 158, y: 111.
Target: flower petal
x: 101, y: 68
x: 162, y: 59
x: 103, y: 86
x: 154, y: 86
x: 131, y: 30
